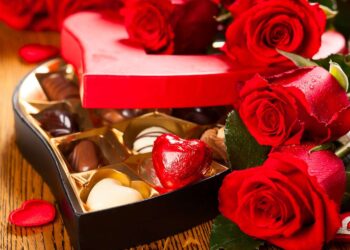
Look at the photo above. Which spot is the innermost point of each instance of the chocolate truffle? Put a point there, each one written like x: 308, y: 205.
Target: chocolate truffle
x: 58, y: 120
x: 85, y: 156
x: 110, y: 193
x: 215, y: 139
x: 203, y: 116
x: 57, y: 87
x: 144, y: 140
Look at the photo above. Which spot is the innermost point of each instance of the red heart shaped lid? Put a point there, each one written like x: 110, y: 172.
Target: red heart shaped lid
x: 117, y: 74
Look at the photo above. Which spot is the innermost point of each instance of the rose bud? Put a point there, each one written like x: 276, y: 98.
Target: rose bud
x: 21, y: 16
x: 59, y: 10
x: 291, y: 201
x: 328, y: 106
x: 148, y: 23
x: 40, y: 15
x: 194, y: 26
x: 290, y: 107
x: 260, y: 27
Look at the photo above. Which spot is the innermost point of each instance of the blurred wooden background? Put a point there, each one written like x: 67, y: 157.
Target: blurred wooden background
x: 19, y: 182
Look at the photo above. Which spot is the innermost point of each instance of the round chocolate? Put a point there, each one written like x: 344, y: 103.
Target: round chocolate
x: 85, y: 156
x: 201, y: 115
x: 58, y: 120
x: 144, y: 140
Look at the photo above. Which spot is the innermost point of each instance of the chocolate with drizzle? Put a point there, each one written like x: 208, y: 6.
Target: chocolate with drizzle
x: 57, y: 87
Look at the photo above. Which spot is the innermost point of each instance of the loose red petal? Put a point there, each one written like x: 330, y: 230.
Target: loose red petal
x: 35, y: 53
x: 33, y: 213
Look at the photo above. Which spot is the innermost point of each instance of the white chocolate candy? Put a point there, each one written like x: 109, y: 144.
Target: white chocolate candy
x: 110, y: 193
x: 145, y: 139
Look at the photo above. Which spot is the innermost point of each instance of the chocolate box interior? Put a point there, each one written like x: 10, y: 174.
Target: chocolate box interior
x: 48, y: 133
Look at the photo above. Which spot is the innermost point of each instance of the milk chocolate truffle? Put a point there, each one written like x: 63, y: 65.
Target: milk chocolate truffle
x: 144, y: 140
x: 85, y: 156
x: 110, y: 193
x: 201, y: 115
x: 215, y: 139
x: 58, y: 120
x: 57, y: 87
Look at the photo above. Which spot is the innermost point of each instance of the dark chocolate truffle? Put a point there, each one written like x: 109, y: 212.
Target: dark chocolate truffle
x: 57, y: 87
x: 58, y: 120
x: 85, y: 156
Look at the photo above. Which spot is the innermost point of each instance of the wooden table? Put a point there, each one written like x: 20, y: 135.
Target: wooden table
x: 18, y: 180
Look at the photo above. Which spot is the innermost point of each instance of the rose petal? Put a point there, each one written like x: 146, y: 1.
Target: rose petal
x: 34, y: 53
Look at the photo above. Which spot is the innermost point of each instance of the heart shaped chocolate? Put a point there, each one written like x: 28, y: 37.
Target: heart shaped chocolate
x: 33, y: 213
x: 179, y: 162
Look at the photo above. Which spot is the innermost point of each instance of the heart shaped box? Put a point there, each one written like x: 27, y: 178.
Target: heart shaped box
x: 98, y: 47
x: 119, y: 227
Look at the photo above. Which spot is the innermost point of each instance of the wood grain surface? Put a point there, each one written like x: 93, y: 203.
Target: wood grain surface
x: 18, y: 180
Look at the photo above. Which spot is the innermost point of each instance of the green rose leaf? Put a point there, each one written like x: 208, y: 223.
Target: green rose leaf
x: 242, y: 149
x: 226, y: 235
x: 342, y: 60
x: 340, y: 66
x: 327, y: 146
x: 297, y: 60
x: 328, y: 12
x: 339, y: 74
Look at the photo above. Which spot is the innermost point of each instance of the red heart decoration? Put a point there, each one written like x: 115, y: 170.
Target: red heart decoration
x: 179, y: 162
x: 35, y: 53
x: 33, y: 213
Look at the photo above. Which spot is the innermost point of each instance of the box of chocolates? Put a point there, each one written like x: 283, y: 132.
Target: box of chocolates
x: 121, y: 177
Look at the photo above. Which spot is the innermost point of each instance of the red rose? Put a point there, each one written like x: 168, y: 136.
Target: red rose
x: 46, y: 14
x: 194, y: 26
x: 271, y: 113
x: 291, y: 201
x: 261, y: 26
x: 148, y: 23
x: 21, y: 15
x: 286, y: 108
